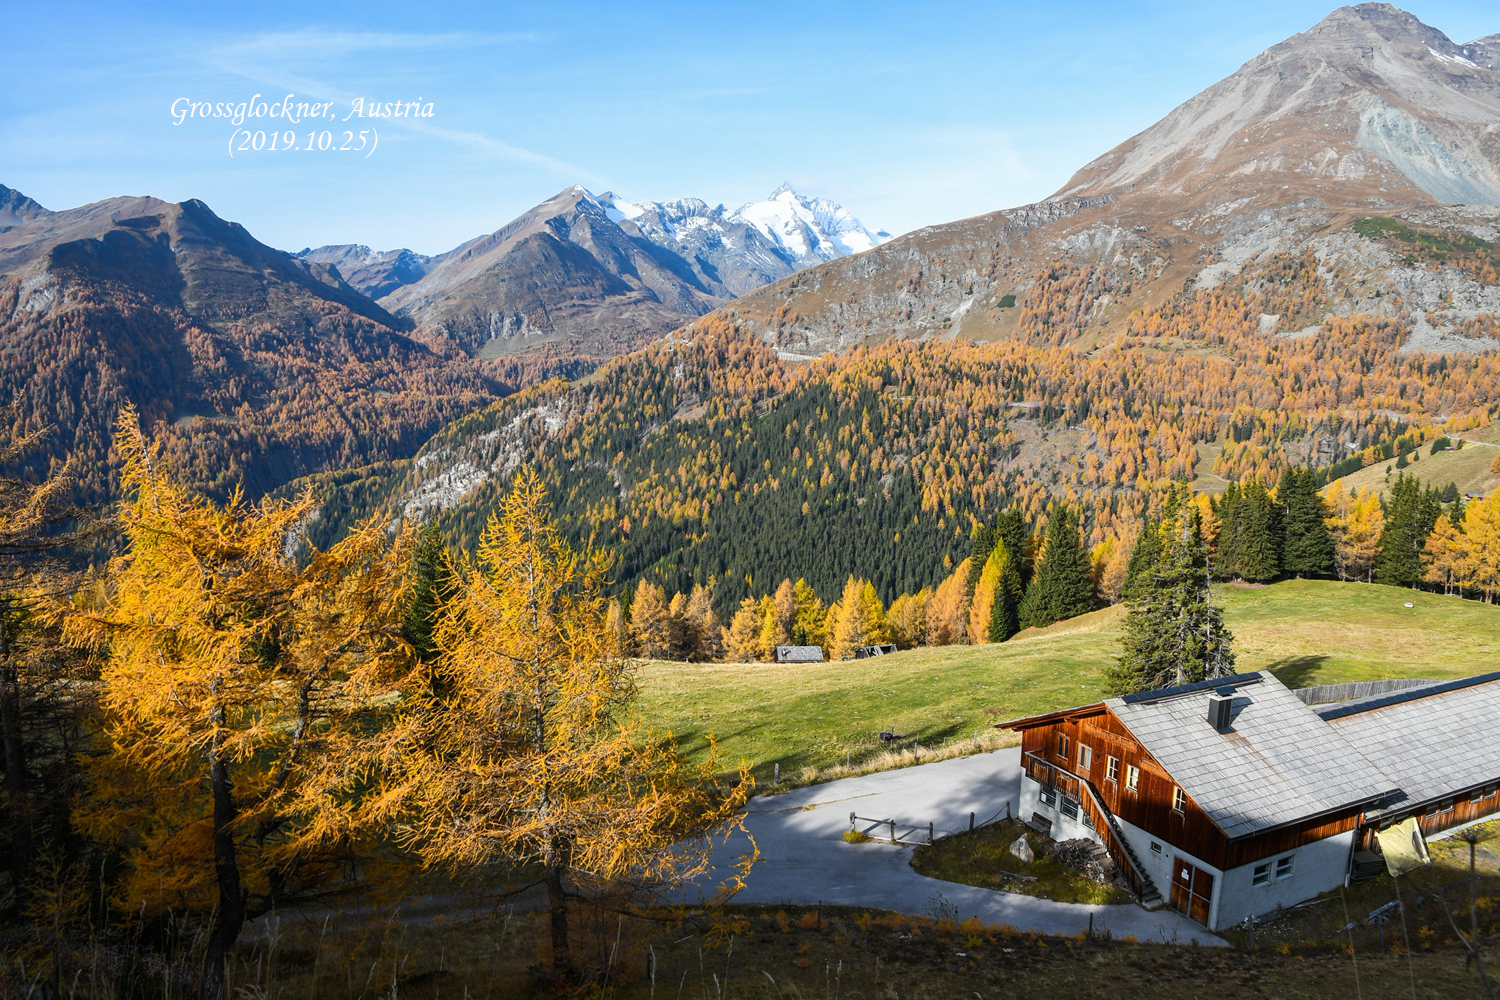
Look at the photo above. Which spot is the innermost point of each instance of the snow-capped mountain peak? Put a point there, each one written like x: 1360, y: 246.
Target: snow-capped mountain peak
x: 811, y: 229
x: 797, y: 230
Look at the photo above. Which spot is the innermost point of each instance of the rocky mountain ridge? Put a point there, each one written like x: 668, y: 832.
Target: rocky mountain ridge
x: 587, y: 275
x: 252, y: 366
x: 1370, y: 114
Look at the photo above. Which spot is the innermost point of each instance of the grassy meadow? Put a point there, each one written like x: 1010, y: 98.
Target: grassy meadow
x: 1467, y: 468
x: 1306, y: 632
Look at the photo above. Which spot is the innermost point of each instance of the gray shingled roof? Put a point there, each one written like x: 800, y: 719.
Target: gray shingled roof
x: 1277, y: 763
x: 1434, y: 741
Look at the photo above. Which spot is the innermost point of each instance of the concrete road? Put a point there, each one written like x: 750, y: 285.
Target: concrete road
x: 804, y: 858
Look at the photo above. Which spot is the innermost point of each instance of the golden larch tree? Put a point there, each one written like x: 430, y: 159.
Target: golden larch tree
x: 526, y: 754
x: 238, y: 689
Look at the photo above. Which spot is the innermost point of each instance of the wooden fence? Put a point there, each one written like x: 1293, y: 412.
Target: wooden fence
x: 902, y: 832
x: 1324, y: 694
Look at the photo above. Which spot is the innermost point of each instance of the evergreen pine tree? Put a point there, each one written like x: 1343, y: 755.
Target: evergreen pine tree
x: 1062, y: 586
x: 1143, y: 557
x: 1005, y: 611
x: 1228, y: 510
x: 981, y: 543
x: 1410, y: 514
x: 1307, y: 548
x: 1259, y: 526
x: 429, y: 590
x: 1174, y: 633
x: 994, y: 615
x: 1012, y: 529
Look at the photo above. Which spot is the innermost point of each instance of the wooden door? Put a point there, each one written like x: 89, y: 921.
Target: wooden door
x: 1182, y: 886
x: 1203, y: 895
x: 1192, y: 890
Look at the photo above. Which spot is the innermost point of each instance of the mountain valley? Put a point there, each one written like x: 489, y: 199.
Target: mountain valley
x: 1251, y: 284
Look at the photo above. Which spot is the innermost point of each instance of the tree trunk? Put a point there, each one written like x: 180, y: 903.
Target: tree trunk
x: 15, y: 760
x: 557, y: 904
x: 229, y: 918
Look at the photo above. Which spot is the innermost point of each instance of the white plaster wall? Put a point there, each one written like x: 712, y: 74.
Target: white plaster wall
x: 1063, y: 828
x: 1320, y: 867
x: 1158, y: 866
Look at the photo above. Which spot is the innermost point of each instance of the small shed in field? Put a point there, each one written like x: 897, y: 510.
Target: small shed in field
x: 865, y: 652
x: 799, y: 654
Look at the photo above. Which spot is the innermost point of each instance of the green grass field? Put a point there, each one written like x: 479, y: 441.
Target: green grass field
x: 1467, y: 468
x: 1306, y: 632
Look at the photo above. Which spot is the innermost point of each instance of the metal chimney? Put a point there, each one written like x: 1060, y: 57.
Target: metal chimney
x: 1218, y: 709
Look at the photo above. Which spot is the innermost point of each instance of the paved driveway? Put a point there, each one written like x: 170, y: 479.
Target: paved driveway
x: 804, y: 859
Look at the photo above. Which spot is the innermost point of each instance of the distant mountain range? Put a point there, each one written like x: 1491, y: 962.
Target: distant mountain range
x: 260, y: 367
x: 251, y: 366
x: 595, y: 275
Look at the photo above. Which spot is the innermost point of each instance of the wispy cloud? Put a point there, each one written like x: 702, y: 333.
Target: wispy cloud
x: 326, y: 43
x: 274, y: 58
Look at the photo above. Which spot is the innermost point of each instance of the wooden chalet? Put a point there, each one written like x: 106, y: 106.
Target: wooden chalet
x: 1229, y: 798
x: 799, y: 654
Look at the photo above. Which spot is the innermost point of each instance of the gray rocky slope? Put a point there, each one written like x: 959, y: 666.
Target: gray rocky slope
x: 591, y: 275
x: 1370, y: 113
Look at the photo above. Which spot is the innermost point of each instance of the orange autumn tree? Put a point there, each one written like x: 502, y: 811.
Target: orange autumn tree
x: 238, y: 691
x: 524, y: 752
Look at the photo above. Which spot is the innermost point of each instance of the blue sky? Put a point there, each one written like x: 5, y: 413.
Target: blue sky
x: 907, y: 114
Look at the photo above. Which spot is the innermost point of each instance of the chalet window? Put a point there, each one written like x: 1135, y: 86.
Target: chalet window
x: 1179, y: 800
x: 1070, y: 807
x: 1085, y: 756
x: 1132, y: 777
x: 1062, y: 746
x: 1262, y: 874
x: 1445, y: 806
x: 1111, y: 769
x: 1284, y: 866
x: 1491, y: 790
x: 1049, y: 796
x: 1476, y: 795
x: 1155, y: 847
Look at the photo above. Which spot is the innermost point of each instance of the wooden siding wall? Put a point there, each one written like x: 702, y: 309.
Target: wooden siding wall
x: 1464, y: 810
x: 1149, y: 806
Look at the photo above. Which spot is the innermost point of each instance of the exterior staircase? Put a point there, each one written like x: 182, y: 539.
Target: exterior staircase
x: 1145, y: 890
x: 1105, y: 825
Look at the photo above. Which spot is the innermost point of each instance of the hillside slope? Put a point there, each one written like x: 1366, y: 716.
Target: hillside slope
x: 724, y: 454
x: 591, y: 277
x: 1371, y: 113
x: 254, y: 367
x: 810, y: 715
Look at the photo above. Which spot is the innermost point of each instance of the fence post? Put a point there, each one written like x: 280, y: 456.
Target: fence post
x: 893, y: 830
x: 777, y: 779
x: 971, y: 822
x: 851, y: 822
x: 930, y: 838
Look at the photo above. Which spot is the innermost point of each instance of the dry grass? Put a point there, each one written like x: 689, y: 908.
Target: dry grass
x: 834, y: 954
x: 759, y: 953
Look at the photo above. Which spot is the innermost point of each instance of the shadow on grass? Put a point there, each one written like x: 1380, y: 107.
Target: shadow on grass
x: 1299, y: 671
